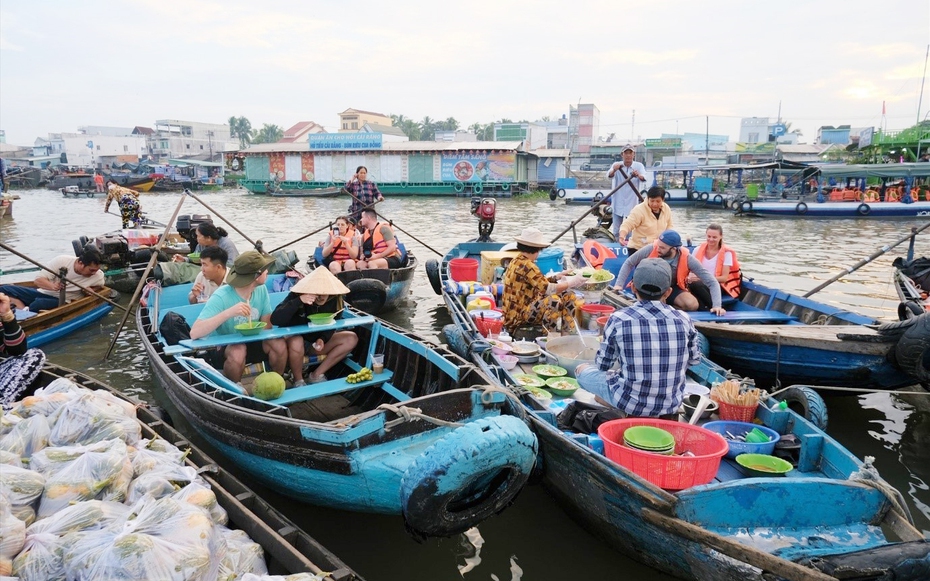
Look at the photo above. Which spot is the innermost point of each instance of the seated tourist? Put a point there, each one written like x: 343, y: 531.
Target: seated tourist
x: 243, y: 298
x: 83, y: 270
x: 342, y: 247
x: 318, y: 292
x: 379, y: 245
x: 212, y: 274
x: 720, y: 260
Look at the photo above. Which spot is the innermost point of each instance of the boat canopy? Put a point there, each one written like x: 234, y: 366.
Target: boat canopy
x: 880, y: 170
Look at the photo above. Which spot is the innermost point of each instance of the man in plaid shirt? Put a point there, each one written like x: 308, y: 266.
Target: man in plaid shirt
x: 654, y: 345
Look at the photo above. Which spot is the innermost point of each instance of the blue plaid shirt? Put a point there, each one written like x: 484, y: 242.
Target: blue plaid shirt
x: 654, y: 345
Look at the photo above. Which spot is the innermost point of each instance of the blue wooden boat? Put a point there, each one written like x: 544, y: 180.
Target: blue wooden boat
x: 826, y: 519
x: 47, y: 326
x: 817, y: 205
x: 427, y: 438
x: 287, y: 548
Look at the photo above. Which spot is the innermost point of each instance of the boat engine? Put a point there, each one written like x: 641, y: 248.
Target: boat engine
x: 187, y: 227
x: 484, y: 209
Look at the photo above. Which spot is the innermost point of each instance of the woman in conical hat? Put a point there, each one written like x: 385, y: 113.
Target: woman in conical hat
x: 318, y: 292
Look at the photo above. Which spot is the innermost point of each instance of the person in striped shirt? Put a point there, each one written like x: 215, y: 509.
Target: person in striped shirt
x: 652, y: 344
x: 13, y: 340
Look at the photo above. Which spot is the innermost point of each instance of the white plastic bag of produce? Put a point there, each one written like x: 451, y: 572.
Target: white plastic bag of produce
x: 199, y: 494
x: 21, y: 486
x: 74, y: 473
x: 147, y: 455
x: 88, y: 419
x: 27, y: 437
x: 12, y: 533
x: 243, y: 555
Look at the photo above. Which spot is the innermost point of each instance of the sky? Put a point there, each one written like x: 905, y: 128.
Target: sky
x: 682, y: 66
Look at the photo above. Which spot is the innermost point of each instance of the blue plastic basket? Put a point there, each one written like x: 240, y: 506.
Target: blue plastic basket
x: 741, y: 429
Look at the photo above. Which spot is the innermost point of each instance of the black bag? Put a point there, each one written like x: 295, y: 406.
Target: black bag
x: 584, y: 418
x: 917, y: 270
x: 174, y: 328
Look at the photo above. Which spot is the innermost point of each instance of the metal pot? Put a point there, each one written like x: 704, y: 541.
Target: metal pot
x: 572, y: 350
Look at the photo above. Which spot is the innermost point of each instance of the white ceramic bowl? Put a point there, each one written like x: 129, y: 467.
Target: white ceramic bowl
x: 508, y: 362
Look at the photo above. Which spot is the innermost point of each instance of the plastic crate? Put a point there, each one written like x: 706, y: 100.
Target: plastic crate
x: 668, y: 472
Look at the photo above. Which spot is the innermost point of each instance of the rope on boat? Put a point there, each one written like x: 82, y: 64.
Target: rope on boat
x: 869, y: 476
x: 408, y: 414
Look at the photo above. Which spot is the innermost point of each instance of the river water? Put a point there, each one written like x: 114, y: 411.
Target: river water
x: 533, y: 539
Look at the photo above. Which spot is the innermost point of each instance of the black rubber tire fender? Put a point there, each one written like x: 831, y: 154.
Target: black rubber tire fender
x: 863, y: 210
x: 705, y: 196
x: 801, y: 208
x: 718, y: 199
x: 472, y: 473
x: 912, y: 353
x: 746, y: 207
x: 553, y: 195
x: 807, y: 403
x: 898, y: 328
x: 561, y: 192
x: 459, y: 187
x: 598, y: 196
x: 367, y: 294
x: 78, y: 247
x: 909, y: 310
x: 432, y: 273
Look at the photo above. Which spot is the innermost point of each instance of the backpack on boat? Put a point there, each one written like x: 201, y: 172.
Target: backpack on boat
x: 174, y: 328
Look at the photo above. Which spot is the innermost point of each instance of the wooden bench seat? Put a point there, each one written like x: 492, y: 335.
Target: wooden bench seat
x: 329, y: 387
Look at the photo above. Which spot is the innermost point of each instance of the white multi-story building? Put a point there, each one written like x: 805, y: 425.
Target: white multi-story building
x: 98, y: 150
x: 173, y: 139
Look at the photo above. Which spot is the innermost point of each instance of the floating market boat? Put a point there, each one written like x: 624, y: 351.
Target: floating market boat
x: 300, y: 192
x: 737, y: 526
x: 47, y: 326
x: 286, y: 549
x: 427, y: 437
x: 77, y: 192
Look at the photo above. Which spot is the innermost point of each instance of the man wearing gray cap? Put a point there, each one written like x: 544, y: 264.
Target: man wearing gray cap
x: 652, y: 344
x: 668, y: 248
x: 625, y: 199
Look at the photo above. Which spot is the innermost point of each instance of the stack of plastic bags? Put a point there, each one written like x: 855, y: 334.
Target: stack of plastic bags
x: 83, y: 496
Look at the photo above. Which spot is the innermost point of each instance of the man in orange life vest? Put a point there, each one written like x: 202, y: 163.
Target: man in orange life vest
x: 668, y: 247
x: 720, y: 260
x: 379, y: 246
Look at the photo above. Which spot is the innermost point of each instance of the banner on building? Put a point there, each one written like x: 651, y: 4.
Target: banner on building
x: 478, y: 167
x: 664, y: 143
x: 865, y: 137
x: 344, y: 141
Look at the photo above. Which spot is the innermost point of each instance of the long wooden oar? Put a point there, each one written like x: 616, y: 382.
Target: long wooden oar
x: 155, y: 223
x: 82, y: 287
x: 145, y: 275
x: 256, y: 245
x: 296, y: 240
x: 870, y: 258
x: 591, y: 209
x: 391, y: 222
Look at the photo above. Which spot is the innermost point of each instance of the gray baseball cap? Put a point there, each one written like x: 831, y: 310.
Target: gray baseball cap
x: 652, y: 277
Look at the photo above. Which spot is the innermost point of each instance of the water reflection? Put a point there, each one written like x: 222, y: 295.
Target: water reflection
x: 534, y: 539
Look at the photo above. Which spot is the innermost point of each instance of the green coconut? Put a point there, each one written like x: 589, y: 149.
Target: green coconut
x: 268, y: 385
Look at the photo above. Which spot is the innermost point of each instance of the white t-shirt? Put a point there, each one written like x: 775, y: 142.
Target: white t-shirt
x: 623, y: 201
x: 72, y: 292
x: 710, y: 264
x: 209, y: 287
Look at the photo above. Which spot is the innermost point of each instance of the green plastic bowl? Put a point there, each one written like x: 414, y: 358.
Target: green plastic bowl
x: 648, y: 438
x: 764, y: 465
x: 322, y: 318
x: 253, y: 328
x: 194, y: 257
x: 563, y: 386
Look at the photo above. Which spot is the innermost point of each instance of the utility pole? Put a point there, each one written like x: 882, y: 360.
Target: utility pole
x: 922, y: 81
x: 633, y: 127
x: 210, y: 142
x: 707, y: 139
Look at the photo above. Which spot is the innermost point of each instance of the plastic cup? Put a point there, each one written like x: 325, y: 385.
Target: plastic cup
x: 377, y: 363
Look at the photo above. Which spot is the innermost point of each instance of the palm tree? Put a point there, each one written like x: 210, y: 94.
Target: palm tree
x: 427, y: 129
x: 241, y: 128
x: 269, y: 133
x: 450, y: 124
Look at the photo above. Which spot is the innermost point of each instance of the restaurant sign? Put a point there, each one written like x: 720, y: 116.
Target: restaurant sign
x: 664, y: 143
x: 344, y: 141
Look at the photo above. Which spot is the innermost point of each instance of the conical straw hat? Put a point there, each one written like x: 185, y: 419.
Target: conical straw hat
x: 320, y: 282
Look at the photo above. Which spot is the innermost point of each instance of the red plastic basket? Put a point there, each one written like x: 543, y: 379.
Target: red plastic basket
x: 736, y: 413
x: 668, y: 472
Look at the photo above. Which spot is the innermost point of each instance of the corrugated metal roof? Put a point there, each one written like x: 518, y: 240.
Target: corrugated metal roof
x: 399, y: 146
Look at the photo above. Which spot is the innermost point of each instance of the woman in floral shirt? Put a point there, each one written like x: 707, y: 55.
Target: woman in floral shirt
x: 532, y: 299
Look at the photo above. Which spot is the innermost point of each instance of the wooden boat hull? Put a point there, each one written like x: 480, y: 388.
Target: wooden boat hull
x: 674, y: 197
x: 730, y: 529
x: 59, y: 322
x: 82, y: 193
x: 297, y: 553
x: 360, y: 460
x: 308, y: 193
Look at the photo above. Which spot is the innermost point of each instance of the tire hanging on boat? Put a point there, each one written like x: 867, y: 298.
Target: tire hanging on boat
x: 561, y: 192
x: 909, y: 310
x: 746, y: 207
x: 863, y: 209
x: 553, y: 195
x: 912, y: 352
x: 807, y: 403
x: 471, y: 474
x: 718, y: 199
x: 367, y: 294
x: 432, y: 273
x: 459, y: 187
x: 598, y: 196
x: 801, y: 208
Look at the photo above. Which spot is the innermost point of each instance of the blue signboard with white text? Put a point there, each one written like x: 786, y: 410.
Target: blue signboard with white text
x: 344, y: 141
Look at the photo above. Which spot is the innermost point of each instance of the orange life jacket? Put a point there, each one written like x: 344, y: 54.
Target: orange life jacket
x: 870, y: 196
x: 892, y: 195
x: 683, y: 270
x: 340, y: 250
x: 731, y: 284
x: 378, y: 243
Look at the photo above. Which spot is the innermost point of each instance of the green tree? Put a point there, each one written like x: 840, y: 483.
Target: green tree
x: 241, y: 129
x: 427, y: 129
x: 450, y: 124
x: 269, y: 133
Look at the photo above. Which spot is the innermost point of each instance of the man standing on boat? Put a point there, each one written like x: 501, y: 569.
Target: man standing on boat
x: 98, y: 182
x: 625, y: 198
x: 653, y: 344
x: 668, y: 248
